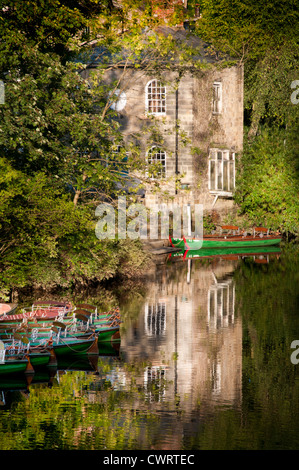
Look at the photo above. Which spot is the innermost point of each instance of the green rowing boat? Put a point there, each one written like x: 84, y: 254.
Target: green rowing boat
x: 70, y: 346
x: 232, y: 239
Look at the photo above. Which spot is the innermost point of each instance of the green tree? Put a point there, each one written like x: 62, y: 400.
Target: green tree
x: 267, y: 184
x: 57, y: 142
x: 263, y: 37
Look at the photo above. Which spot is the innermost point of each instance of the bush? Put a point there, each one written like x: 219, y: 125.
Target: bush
x: 267, y: 183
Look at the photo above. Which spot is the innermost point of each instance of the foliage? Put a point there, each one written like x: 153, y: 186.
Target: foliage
x: 244, y: 30
x: 48, y: 243
x: 57, y: 148
x: 208, y: 224
x: 267, y: 97
x: 52, y: 26
x: 267, y: 185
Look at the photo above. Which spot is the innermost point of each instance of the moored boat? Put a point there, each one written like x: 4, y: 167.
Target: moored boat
x: 110, y: 334
x: 78, y: 316
x: 39, y: 311
x: 14, y: 362
x: 232, y: 238
x: 73, y: 346
x: 79, y: 333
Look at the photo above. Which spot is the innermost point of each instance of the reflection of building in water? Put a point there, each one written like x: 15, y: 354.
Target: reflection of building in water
x: 190, y: 336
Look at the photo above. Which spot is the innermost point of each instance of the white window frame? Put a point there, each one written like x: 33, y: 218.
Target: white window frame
x: 217, y: 97
x: 227, y: 160
x: 160, y: 102
x: 154, y: 150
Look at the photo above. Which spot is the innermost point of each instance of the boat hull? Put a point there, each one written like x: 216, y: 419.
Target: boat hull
x: 108, y: 335
x: 13, y: 366
x: 222, y: 242
x: 225, y: 252
x: 66, y: 348
x: 39, y: 359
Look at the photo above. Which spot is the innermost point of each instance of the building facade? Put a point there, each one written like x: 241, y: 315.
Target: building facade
x: 199, y: 117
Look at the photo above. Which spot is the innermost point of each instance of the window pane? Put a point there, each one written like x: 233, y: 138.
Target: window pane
x: 157, y: 157
x: 156, y: 97
x: 231, y: 175
x: 221, y: 170
x: 212, y: 174
x: 225, y: 176
x: 219, y: 176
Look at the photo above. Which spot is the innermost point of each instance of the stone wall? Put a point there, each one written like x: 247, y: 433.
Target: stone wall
x: 224, y: 130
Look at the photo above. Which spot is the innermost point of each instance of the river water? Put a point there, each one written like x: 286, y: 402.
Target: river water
x: 205, y: 362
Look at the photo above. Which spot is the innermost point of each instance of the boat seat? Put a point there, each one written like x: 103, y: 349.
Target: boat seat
x: 229, y: 230
x: 260, y: 231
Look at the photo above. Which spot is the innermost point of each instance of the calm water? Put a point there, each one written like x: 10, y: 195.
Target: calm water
x: 204, y: 363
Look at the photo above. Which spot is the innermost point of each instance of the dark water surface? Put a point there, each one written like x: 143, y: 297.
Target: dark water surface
x: 204, y: 363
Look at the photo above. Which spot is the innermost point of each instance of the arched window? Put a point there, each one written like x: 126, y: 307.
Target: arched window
x: 156, y: 158
x: 155, y: 97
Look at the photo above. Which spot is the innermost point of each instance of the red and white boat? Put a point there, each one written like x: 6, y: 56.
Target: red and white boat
x: 39, y: 311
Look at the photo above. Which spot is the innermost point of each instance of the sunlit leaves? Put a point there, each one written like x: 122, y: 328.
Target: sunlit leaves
x: 267, y: 185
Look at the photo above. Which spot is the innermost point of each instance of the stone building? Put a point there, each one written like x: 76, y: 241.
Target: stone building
x: 199, y: 113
